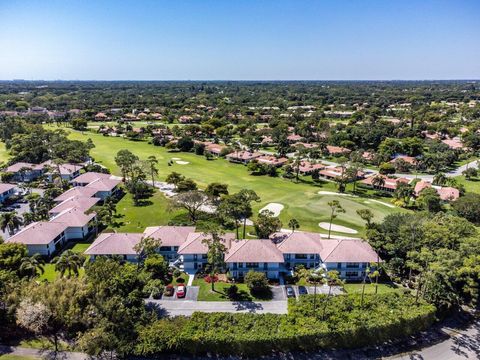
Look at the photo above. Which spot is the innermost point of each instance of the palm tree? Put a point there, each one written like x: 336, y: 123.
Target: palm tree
x: 31, y: 265
x: 10, y: 221
x: 378, y: 181
x: 439, y: 179
x: 336, y: 209
x: 333, y: 279
x: 152, y: 166
x: 293, y: 224
x: 69, y: 262
x: 315, y: 276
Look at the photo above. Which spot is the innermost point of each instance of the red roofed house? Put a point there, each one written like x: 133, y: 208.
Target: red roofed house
x: 455, y: 143
x: 307, y: 167
x: 408, y: 159
x: 446, y: 193
x: 387, y: 183
x: 243, y: 157
x: 24, y: 172
x: 214, y: 149
x: 272, y: 160
x: 337, y: 150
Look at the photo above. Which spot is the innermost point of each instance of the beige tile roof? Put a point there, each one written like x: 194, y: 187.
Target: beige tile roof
x: 298, y: 242
x: 80, y: 202
x: 104, y: 184
x: 243, y: 155
x: 20, y: 165
x: 448, y: 193
x: 77, y: 191
x: 169, y: 235
x: 4, y: 187
x: 194, y: 243
x: 114, y: 244
x: 65, y: 169
x: 73, y: 217
x: 254, y: 251
x: 38, y: 233
x: 90, y: 176
x: 347, y: 250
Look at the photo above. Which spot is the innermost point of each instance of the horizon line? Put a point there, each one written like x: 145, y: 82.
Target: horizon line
x: 233, y: 80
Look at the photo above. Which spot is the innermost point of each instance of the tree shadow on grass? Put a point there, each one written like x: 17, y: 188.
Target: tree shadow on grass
x: 143, y: 203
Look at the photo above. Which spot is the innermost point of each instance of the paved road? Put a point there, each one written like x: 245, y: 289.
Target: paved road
x: 188, y: 307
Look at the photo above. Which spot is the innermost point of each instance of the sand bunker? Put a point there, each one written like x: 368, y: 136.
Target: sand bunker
x: 383, y: 203
x: 321, y: 192
x: 182, y: 162
x: 176, y: 159
x: 338, y: 228
x: 275, y: 208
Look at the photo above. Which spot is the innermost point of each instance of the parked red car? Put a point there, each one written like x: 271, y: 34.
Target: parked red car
x: 181, y: 291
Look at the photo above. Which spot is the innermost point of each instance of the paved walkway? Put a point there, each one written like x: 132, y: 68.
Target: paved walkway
x: 187, y: 307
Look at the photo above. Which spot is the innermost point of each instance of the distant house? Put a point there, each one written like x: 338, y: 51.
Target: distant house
x: 78, y: 224
x: 101, y: 116
x: 67, y: 171
x: 75, y: 192
x: 243, y: 157
x: 6, y: 191
x: 337, y: 150
x: 454, y: 143
x: 272, y: 160
x: 408, y: 159
x: 307, y: 167
x: 105, y: 187
x: 388, y: 184
x: 293, y: 138
x: 332, y: 173
x: 214, y: 149
x: 446, y: 193
x: 88, y: 177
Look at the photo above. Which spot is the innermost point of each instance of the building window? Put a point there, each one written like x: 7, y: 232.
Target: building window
x: 252, y: 265
x: 300, y: 256
x: 352, y: 265
x: 351, y: 274
x: 339, y: 265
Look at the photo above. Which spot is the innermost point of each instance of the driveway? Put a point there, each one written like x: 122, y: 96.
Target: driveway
x: 188, y: 307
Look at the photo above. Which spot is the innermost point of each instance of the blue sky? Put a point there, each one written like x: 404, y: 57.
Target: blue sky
x: 240, y: 39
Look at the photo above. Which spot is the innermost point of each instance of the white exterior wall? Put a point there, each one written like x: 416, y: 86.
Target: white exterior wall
x: 271, y: 270
x: 44, y: 250
x: 193, y: 262
x: 343, y: 269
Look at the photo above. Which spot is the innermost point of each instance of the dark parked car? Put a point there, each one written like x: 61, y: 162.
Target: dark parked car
x: 290, y: 292
x: 302, y: 290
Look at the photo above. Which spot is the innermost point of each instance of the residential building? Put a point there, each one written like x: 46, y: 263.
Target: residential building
x: 6, y: 191
x: 171, y: 238
x: 24, y: 172
x: 272, y: 160
x: 115, y: 244
x: 243, y: 157
x: 386, y: 184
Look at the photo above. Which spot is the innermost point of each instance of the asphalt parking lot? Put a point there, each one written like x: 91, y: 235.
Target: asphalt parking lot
x: 190, y: 295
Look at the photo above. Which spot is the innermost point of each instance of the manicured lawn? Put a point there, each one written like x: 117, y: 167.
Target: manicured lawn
x: 183, y: 276
x: 4, y: 156
x: 472, y: 185
x: 301, y: 201
x: 370, y: 288
x: 206, y: 294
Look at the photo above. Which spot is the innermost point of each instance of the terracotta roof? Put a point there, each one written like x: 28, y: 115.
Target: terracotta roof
x: 254, y: 251
x: 73, y: 217
x: 244, y: 155
x: 169, y: 235
x: 454, y: 143
x: 419, y: 186
x: 390, y: 183
x: 408, y: 159
x: 4, y: 187
x: 65, y: 169
x: 271, y: 160
x: 306, y: 166
x: 114, y: 244
x: 448, y: 193
x: 38, y: 233
x: 337, y: 149
x: 80, y: 202
x: 90, y: 176
x: 194, y: 243
x: 77, y: 191
x: 104, y: 184
x: 298, y: 242
x: 347, y: 250
x: 20, y: 165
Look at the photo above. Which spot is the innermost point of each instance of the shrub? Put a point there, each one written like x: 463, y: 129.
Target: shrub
x: 348, y: 325
x: 256, y: 281
x: 154, y: 288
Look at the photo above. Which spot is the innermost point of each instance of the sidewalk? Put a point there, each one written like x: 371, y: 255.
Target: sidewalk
x: 41, y: 354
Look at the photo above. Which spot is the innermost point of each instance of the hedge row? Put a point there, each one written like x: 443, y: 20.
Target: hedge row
x: 347, y: 324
